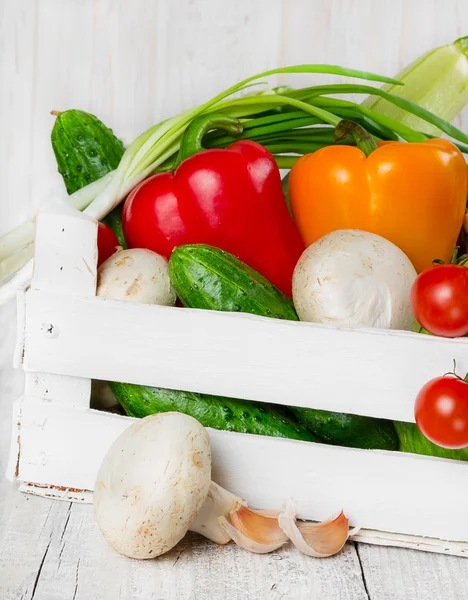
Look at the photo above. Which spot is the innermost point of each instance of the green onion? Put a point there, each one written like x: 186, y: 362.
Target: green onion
x: 437, y: 81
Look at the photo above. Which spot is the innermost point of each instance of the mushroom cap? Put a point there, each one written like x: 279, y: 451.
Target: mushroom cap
x: 152, y: 484
x: 354, y: 278
x: 136, y: 275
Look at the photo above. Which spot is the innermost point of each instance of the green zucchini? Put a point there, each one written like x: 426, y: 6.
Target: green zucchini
x: 353, y: 431
x: 85, y: 149
x: 210, y: 278
x: 212, y: 411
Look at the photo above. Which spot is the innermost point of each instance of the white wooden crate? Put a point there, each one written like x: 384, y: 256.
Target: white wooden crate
x: 67, y: 336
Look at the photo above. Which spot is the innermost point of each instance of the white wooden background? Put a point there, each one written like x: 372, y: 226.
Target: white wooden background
x: 134, y: 62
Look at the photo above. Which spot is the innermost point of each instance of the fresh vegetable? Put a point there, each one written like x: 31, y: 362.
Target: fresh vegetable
x: 352, y: 277
x: 412, y: 440
x: 212, y: 411
x: 411, y: 194
x: 437, y: 81
x: 155, y: 483
x: 137, y: 275
x: 230, y: 198
x: 277, y: 119
x: 85, y: 149
x: 210, y: 278
x: 439, y: 299
x: 107, y: 243
x: 318, y: 540
x: 267, y: 530
x: 349, y: 430
x: 441, y: 411
x: 255, y: 531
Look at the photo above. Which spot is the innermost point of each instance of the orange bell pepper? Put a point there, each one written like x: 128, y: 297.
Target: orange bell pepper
x: 412, y: 194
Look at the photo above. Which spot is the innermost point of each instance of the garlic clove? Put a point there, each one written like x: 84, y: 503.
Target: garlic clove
x: 245, y: 542
x: 260, y: 526
x: 316, y: 539
x: 219, y: 502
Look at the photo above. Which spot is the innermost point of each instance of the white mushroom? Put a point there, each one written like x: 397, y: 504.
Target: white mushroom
x: 136, y: 275
x: 352, y: 277
x: 153, y: 484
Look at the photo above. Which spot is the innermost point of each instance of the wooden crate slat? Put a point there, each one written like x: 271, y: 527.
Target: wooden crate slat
x: 65, y: 255
x: 387, y: 491
x: 65, y: 263
x: 369, y: 372
x: 74, y: 391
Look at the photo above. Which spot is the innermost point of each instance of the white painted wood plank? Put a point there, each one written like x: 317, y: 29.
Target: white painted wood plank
x: 136, y: 63
x: 12, y: 466
x: 382, y: 37
x: 18, y: 22
x: 394, y: 574
x: 213, y: 46
x: 65, y: 261
x: 349, y: 370
x: 387, y: 491
x: 411, y: 542
x: 74, y: 391
x: 65, y: 252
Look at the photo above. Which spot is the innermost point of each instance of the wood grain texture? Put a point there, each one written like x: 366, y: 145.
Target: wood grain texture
x: 134, y: 62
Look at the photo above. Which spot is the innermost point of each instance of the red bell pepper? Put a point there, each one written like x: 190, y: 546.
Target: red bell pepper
x: 228, y: 198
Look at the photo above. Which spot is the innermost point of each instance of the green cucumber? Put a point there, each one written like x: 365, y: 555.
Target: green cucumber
x: 85, y: 149
x: 210, y: 278
x: 412, y: 440
x: 353, y: 431
x: 212, y: 411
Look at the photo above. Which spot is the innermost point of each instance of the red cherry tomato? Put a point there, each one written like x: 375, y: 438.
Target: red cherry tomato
x: 439, y: 300
x: 107, y: 243
x: 441, y: 411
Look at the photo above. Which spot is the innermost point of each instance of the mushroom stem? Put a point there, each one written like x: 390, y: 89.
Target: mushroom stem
x: 218, y: 503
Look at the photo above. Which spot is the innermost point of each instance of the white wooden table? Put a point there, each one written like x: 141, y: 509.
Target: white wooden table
x: 134, y: 62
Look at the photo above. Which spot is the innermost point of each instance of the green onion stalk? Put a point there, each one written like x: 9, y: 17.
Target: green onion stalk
x: 288, y: 122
